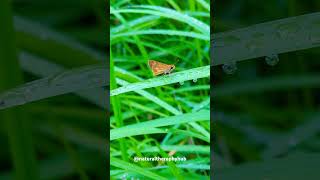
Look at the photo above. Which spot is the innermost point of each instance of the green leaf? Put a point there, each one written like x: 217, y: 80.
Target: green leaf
x: 151, y: 126
x: 191, y: 74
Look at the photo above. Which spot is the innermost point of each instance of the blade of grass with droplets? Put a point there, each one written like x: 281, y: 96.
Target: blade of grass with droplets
x: 173, y: 14
x: 43, y: 68
x: 265, y: 39
x: 195, y: 73
x: 168, y: 13
x: 61, y: 83
x: 166, y: 32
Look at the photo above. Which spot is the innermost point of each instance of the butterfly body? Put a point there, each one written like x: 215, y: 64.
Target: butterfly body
x: 159, y: 68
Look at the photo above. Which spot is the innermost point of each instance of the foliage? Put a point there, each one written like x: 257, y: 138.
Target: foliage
x: 150, y: 116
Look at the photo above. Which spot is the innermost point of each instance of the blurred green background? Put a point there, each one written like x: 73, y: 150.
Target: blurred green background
x: 68, y: 131
x: 268, y: 132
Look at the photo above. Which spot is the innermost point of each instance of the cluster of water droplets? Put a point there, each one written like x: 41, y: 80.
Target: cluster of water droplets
x: 193, y: 80
x: 231, y: 67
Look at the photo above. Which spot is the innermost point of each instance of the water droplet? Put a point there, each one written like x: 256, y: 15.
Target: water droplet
x: 181, y: 83
x: 272, y: 60
x: 124, y: 176
x: 195, y: 80
x: 230, y: 68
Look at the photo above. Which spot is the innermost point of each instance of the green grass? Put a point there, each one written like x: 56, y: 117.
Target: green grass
x: 157, y: 118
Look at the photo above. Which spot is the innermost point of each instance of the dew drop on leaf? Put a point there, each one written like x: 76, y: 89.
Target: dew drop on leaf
x: 229, y: 68
x: 181, y: 83
x: 272, y: 60
x: 195, y: 80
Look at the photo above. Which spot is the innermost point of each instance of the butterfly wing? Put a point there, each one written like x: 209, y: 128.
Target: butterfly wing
x: 159, y: 68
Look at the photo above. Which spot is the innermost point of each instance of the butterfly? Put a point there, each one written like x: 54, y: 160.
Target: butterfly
x: 160, y: 68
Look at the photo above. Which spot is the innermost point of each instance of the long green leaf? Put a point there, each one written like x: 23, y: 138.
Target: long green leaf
x: 151, y: 125
x: 179, y: 77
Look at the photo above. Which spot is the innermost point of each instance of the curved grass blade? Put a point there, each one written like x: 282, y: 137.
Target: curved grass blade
x: 191, y: 74
x: 43, y: 68
x: 168, y: 13
x: 268, y: 38
x: 61, y: 83
x: 125, y: 131
x: 133, y: 23
x: 167, y: 32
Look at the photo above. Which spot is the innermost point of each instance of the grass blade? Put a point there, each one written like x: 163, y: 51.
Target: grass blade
x: 61, y: 83
x: 167, y: 121
x: 115, y: 37
x: 195, y: 73
x: 273, y: 37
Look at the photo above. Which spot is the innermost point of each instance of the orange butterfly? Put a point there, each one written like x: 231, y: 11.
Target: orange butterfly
x: 160, y: 68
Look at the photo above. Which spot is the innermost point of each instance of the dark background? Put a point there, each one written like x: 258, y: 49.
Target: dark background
x: 265, y: 132
x: 69, y: 132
